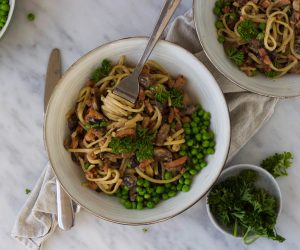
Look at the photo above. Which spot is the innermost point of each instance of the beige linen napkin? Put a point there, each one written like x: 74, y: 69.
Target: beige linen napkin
x: 248, y: 112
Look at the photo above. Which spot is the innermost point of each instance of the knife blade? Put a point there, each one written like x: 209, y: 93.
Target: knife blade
x: 65, y: 210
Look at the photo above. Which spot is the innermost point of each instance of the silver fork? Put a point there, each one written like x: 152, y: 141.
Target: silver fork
x: 128, y: 88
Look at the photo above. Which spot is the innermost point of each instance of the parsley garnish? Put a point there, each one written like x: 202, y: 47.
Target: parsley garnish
x: 162, y: 95
x: 235, y: 55
x: 271, y: 74
x: 30, y: 17
x: 240, y: 205
x: 27, y: 191
x: 102, y: 71
x: 145, y: 230
x: 122, y: 145
x: 247, y: 30
x: 278, y: 164
x: 142, y: 145
x: 86, y: 165
x: 101, y: 124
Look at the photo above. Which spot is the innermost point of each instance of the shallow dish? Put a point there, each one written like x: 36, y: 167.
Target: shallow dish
x: 10, y: 14
x: 200, y: 83
x: 265, y: 181
x: 283, y: 87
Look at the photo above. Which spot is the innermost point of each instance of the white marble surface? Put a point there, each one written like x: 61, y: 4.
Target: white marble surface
x: 77, y: 27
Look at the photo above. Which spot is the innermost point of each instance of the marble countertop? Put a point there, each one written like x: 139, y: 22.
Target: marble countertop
x: 77, y: 27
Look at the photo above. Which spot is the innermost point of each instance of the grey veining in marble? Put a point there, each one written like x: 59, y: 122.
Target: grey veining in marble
x: 77, y: 27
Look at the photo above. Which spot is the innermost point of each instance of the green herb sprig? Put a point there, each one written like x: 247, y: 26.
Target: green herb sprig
x: 235, y: 55
x: 102, y: 71
x: 278, y: 164
x: 161, y: 94
x: 241, y: 206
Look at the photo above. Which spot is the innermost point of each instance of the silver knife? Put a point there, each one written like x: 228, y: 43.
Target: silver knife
x: 65, y: 209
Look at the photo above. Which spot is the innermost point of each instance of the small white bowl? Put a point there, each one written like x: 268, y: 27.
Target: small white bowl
x: 284, y: 87
x: 265, y: 181
x: 201, y: 85
x: 10, y: 14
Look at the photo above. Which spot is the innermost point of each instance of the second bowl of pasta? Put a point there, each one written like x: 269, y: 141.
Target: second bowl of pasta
x: 144, y: 162
x: 255, y: 43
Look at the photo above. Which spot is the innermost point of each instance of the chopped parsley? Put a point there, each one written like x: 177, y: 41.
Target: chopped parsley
x: 142, y: 144
x: 235, y: 55
x: 86, y: 165
x: 240, y: 205
x: 278, y: 164
x: 101, y: 124
x: 30, y: 17
x: 122, y: 145
x: 247, y: 30
x: 102, y: 71
x: 271, y: 74
x: 162, y: 95
x: 145, y: 229
x: 27, y: 191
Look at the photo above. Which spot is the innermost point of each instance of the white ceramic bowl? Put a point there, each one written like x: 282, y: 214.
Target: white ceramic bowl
x: 265, y: 181
x: 10, y: 14
x: 286, y: 86
x: 200, y: 83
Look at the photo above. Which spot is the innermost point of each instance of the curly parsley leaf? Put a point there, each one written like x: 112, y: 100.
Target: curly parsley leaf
x: 101, y: 124
x: 247, y: 30
x: 235, y: 55
x: 144, y: 144
x: 122, y: 145
x: 160, y: 93
x: 27, y: 191
x: 102, y: 71
x: 237, y: 203
x: 278, y: 164
x: 271, y: 74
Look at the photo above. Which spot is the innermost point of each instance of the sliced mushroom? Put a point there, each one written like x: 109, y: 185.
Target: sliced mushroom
x: 93, y: 116
x: 174, y: 164
x: 73, y: 122
x: 125, y: 132
x: 188, y: 110
x: 145, y: 80
x: 162, y: 154
x: 162, y: 134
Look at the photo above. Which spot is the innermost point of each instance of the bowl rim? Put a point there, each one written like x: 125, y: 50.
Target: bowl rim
x: 223, y: 72
x: 252, y: 167
x: 9, y: 17
x: 78, y: 61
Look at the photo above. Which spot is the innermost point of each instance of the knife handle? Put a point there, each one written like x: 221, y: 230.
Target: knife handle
x: 65, y: 212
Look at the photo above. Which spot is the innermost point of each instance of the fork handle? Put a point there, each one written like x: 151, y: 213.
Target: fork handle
x: 164, y: 18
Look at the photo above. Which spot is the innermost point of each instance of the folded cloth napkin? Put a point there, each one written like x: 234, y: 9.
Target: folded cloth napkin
x: 248, y: 112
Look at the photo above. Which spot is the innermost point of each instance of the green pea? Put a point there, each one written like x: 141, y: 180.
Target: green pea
x: 210, y: 151
x: 205, y: 136
x: 217, y: 11
x: 194, y: 160
x: 205, y: 144
x: 165, y: 196
x: 185, y: 188
x: 197, y: 119
x: 260, y: 36
x: 179, y: 187
x: 194, y: 115
x: 150, y: 190
x: 194, y: 151
x: 171, y: 193
x: 206, y: 116
x: 139, y: 189
x: 185, y: 125
x: 197, y: 145
x: 139, y: 198
x: 198, y: 167
x: 200, y: 112
x: 187, y: 182
x: 200, y: 156
x: 4, y: 7
x: 187, y: 131
x: 3, y: 19
x: 146, y: 183
x: 156, y: 199
x: 160, y: 189
x: 181, y: 180
x: 128, y: 204
x: 140, y: 182
x: 198, y: 137
x: 147, y: 196
x: 125, y: 197
x: 212, y: 144
x: 193, y: 124
x: 206, y: 123
x: 139, y: 205
x: 203, y: 164
x: 150, y: 204
x: 133, y: 205
x: 195, y: 130
x: 3, y: 13
x: 142, y: 192
x: 186, y: 175
x: 168, y: 185
x: 183, y: 147
x: 168, y: 175
x: 190, y: 143
x: 193, y: 171
x: 173, y: 188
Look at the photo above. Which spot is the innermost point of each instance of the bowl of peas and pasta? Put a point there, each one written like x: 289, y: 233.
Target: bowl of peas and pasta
x: 6, y: 12
x: 137, y: 163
